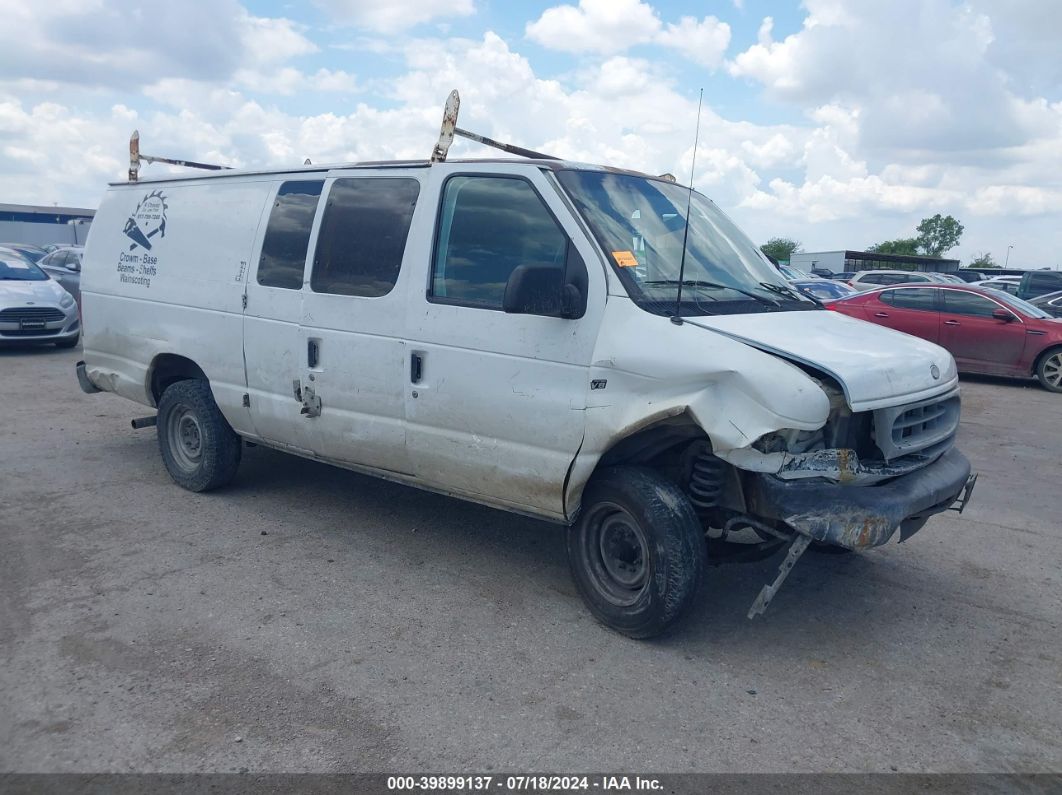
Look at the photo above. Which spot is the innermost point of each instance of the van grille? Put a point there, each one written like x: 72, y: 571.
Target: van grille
x: 45, y: 313
x: 903, y: 430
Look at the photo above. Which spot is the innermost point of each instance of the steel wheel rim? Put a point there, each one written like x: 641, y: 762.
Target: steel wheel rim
x: 185, y: 438
x: 1053, y: 370
x: 616, y: 553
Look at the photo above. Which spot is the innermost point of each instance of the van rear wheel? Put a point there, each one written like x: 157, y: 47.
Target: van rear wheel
x: 198, y: 446
x: 637, y: 553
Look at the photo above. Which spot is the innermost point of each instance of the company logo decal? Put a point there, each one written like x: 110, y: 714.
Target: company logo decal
x: 147, y: 220
x: 146, y: 224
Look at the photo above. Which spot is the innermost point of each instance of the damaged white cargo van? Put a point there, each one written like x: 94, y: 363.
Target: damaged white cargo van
x: 517, y: 333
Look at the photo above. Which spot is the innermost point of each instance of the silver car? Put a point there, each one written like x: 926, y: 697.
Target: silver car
x: 64, y: 265
x: 34, y: 308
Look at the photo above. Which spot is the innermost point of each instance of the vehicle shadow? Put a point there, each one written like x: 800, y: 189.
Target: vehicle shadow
x: 14, y: 350
x: 1000, y: 380
x: 825, y: 596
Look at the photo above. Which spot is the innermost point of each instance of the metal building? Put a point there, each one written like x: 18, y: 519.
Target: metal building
x: 27, y: 223
x: 842, y: 261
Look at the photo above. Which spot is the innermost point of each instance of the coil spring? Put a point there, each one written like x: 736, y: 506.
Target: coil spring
x: 706, y: 480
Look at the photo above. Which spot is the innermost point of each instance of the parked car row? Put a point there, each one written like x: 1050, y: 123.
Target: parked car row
x: 1027, y: 286
x: 40, y: 294
x: 986, y: 330
x: 1051, y: 303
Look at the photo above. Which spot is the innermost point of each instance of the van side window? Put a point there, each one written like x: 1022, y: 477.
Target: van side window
x: 287, y: 236
x: 487, y: 227
x: 363, y: 235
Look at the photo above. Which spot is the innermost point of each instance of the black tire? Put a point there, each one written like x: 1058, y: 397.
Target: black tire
x: 1049, y: 370
x: 637, y: 553
x: 199, y: 448
x: 70, y: 343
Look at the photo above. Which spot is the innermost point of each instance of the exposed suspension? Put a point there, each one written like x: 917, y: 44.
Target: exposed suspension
x: 707, y: 478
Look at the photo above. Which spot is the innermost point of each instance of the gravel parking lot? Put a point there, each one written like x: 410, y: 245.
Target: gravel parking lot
x: 311, y: 619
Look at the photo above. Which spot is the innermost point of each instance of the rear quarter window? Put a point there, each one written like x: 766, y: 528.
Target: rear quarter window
x: 287, y: 237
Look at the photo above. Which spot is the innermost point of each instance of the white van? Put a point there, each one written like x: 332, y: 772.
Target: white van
x: 513, y: 332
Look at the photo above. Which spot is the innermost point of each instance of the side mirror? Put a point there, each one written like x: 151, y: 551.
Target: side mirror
x: 1004, y: 315
x: 75, y: 267
x: 540, y: 290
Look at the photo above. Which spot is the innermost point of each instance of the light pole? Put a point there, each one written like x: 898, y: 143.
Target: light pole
x: 1006, y: 262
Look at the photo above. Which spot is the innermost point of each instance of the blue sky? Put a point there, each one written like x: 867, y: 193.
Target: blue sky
x: 839, y: 123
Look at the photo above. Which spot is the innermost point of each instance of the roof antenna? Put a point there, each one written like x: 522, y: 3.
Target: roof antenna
x: 677, y: 317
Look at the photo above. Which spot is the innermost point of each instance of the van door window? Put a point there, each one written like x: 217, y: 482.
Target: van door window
x: 287, y: 236
x: 363, y: 235
x: 488, y: 226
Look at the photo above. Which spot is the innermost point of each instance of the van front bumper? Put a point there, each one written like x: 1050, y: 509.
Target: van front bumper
x: 857, y: 517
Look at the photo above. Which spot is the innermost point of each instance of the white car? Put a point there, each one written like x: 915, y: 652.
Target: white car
x: 868, y: 280
x: 540, y: 336
x: 1008, y: 284
x: 34, y: 308
x: 64, y: 265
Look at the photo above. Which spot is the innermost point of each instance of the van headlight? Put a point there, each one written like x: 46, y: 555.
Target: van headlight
x: 66, y: 301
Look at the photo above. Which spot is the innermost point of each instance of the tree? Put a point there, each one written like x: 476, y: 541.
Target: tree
x: 938, y: 234
x: 982, y: 260
x: 780, y: 248
x: 903, y: 245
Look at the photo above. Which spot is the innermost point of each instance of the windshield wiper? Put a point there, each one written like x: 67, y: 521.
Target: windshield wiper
x: 788, y: 292
x: 713, y: 285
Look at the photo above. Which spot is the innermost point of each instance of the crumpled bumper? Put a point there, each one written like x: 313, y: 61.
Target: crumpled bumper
x: 857, y: 517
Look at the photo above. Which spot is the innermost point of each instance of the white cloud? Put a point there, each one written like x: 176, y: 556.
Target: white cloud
x: 395, y: 15
x: 603, y: 26
x: 702, y: 42
x: 613, y: 26
x: 108, y: 43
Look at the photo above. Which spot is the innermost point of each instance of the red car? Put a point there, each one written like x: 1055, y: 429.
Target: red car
x: 987, y: 331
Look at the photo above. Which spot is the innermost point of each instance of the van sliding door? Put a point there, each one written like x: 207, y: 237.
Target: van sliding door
x: 353, y: 323
x: 273, y: 311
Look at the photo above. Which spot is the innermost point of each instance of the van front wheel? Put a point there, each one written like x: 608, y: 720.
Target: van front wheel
x: 637, y: 553
x: 198, y: 446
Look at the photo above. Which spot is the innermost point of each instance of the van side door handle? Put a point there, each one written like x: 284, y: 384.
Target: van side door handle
x: 313, y: 353
x: 416, y: 367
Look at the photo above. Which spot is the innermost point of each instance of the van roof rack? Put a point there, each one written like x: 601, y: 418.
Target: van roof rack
x: 447, y: 132
x: 135, y: 159
x: 449, y: 129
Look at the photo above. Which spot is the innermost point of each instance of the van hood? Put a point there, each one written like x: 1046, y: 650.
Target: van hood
x: 20, y: 293
x: 875, y: 366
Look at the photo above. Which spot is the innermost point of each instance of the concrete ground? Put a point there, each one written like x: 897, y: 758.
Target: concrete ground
x: 309, y: 619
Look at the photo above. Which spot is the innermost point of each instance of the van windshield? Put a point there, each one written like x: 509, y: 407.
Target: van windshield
x: 641, y: 223
x: 20, y: 271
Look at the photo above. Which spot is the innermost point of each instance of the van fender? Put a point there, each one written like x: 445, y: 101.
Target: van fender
x: 648, y: 372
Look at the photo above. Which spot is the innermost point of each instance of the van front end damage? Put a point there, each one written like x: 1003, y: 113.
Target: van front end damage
x: 856, y: 517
